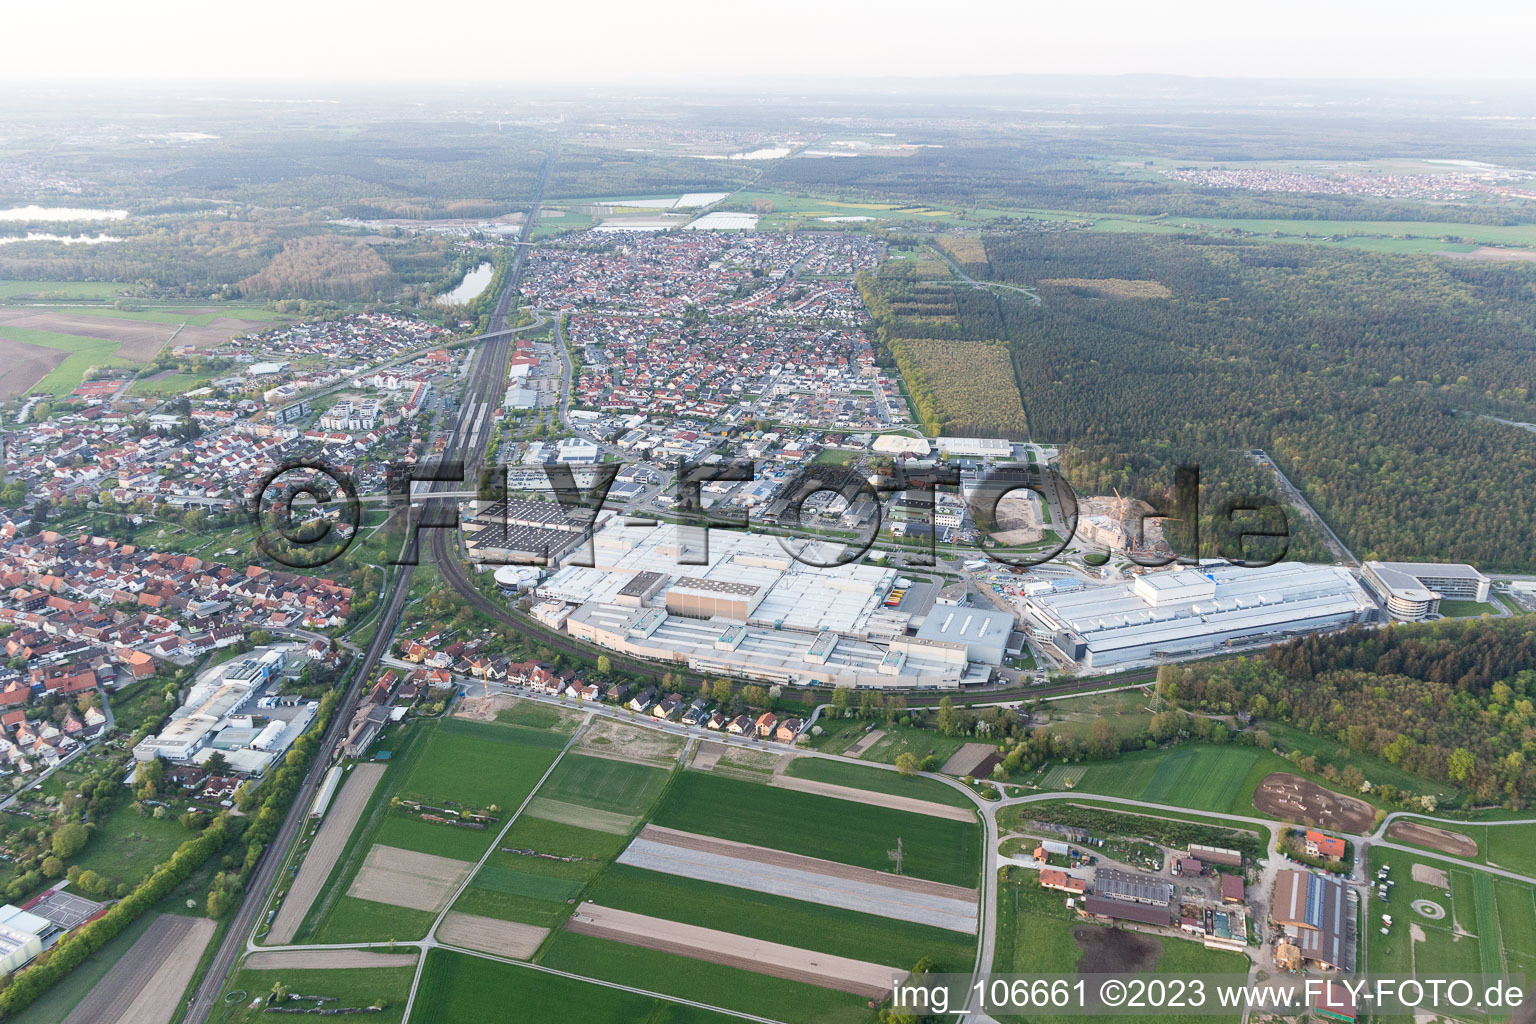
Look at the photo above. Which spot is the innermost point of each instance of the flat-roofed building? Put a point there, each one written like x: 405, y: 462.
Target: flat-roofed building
x: 21, y: 937
x: 1193, y: 612
x: 726, y: 647
x: 983, y: 632
x: 697, y: 598
x: 521, y: 531
x: 1414, y: 590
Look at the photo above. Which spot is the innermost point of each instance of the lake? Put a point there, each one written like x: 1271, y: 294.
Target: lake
x: 470, y: 288
x: 38, y: 236
x: 59, y: 213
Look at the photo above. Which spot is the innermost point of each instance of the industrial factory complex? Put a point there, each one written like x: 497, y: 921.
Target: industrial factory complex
x: 1194, y: 611
x: 741, y: 604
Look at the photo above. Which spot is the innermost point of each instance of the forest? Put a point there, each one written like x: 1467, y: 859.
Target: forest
x: 1362, y: 375
x: 1450, y: 700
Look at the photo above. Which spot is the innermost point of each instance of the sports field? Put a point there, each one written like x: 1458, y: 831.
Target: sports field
x: 457, y: 987
x: 1484, y: 925
x: 816, y: 826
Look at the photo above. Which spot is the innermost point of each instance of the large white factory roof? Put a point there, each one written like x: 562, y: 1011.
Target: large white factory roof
x: 1172, y: 610
x: 798, y: 596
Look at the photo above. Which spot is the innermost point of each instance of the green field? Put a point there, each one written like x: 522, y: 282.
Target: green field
x: 605, y: 784
x: 876, y: 780
x: 1203, y: 778
x: 1467, y: 609
x: 125, y: 846
x: 817, y: 826
x: 371, y: 986
x: 1063, y: 776
x: 532, y: 889
x: 84, y: 353
x: 457, y: 987
x: 779, y: 919
x: 168, y: 385
x: 684, y: 978
x: 50, y: 290
x: 921, y: 742
x: 1125, y: 711
x: 1034, y: 937
x: 476, y: 764
x: 1487, y: 927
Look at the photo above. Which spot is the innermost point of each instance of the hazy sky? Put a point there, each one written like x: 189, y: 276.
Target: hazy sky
x: 562, y: 41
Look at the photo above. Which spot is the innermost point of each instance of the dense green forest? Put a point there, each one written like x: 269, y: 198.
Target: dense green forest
x: 1448, y: 700
x: 1361, y: 374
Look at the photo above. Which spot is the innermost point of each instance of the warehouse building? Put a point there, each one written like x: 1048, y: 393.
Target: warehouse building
x: 21, y: 937
x: 721, y: 646
x: 1318, y: 916
x: 984, y: 633
x: 1195, y: 612
x: 1414, y: 590
x: 520, y: 531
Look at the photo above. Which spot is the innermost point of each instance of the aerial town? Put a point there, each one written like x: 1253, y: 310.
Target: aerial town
x: 807, y: 558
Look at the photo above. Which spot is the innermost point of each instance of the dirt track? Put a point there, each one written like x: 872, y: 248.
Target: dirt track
x: 1292, y: 798
x: 865, y: 796
x: 490, y: 935
x: 1444, y: 840
x: 345, y: 810
x: 405, y: 878
x: 324, y: 959
x: 835, y: 972
x: 145, y: 986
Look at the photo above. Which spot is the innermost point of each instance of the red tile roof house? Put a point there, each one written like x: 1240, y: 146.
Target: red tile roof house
x: 1327, y: 847
x: 767, y: 722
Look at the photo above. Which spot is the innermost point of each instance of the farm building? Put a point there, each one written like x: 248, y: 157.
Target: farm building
x: 1232, y: 889
x: 1327, y: 847
x: 1130, y: 887
x: 1050, y: 878
x: 1216, y: 855
x: 1317, y: 916
x: 1122, y: 910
